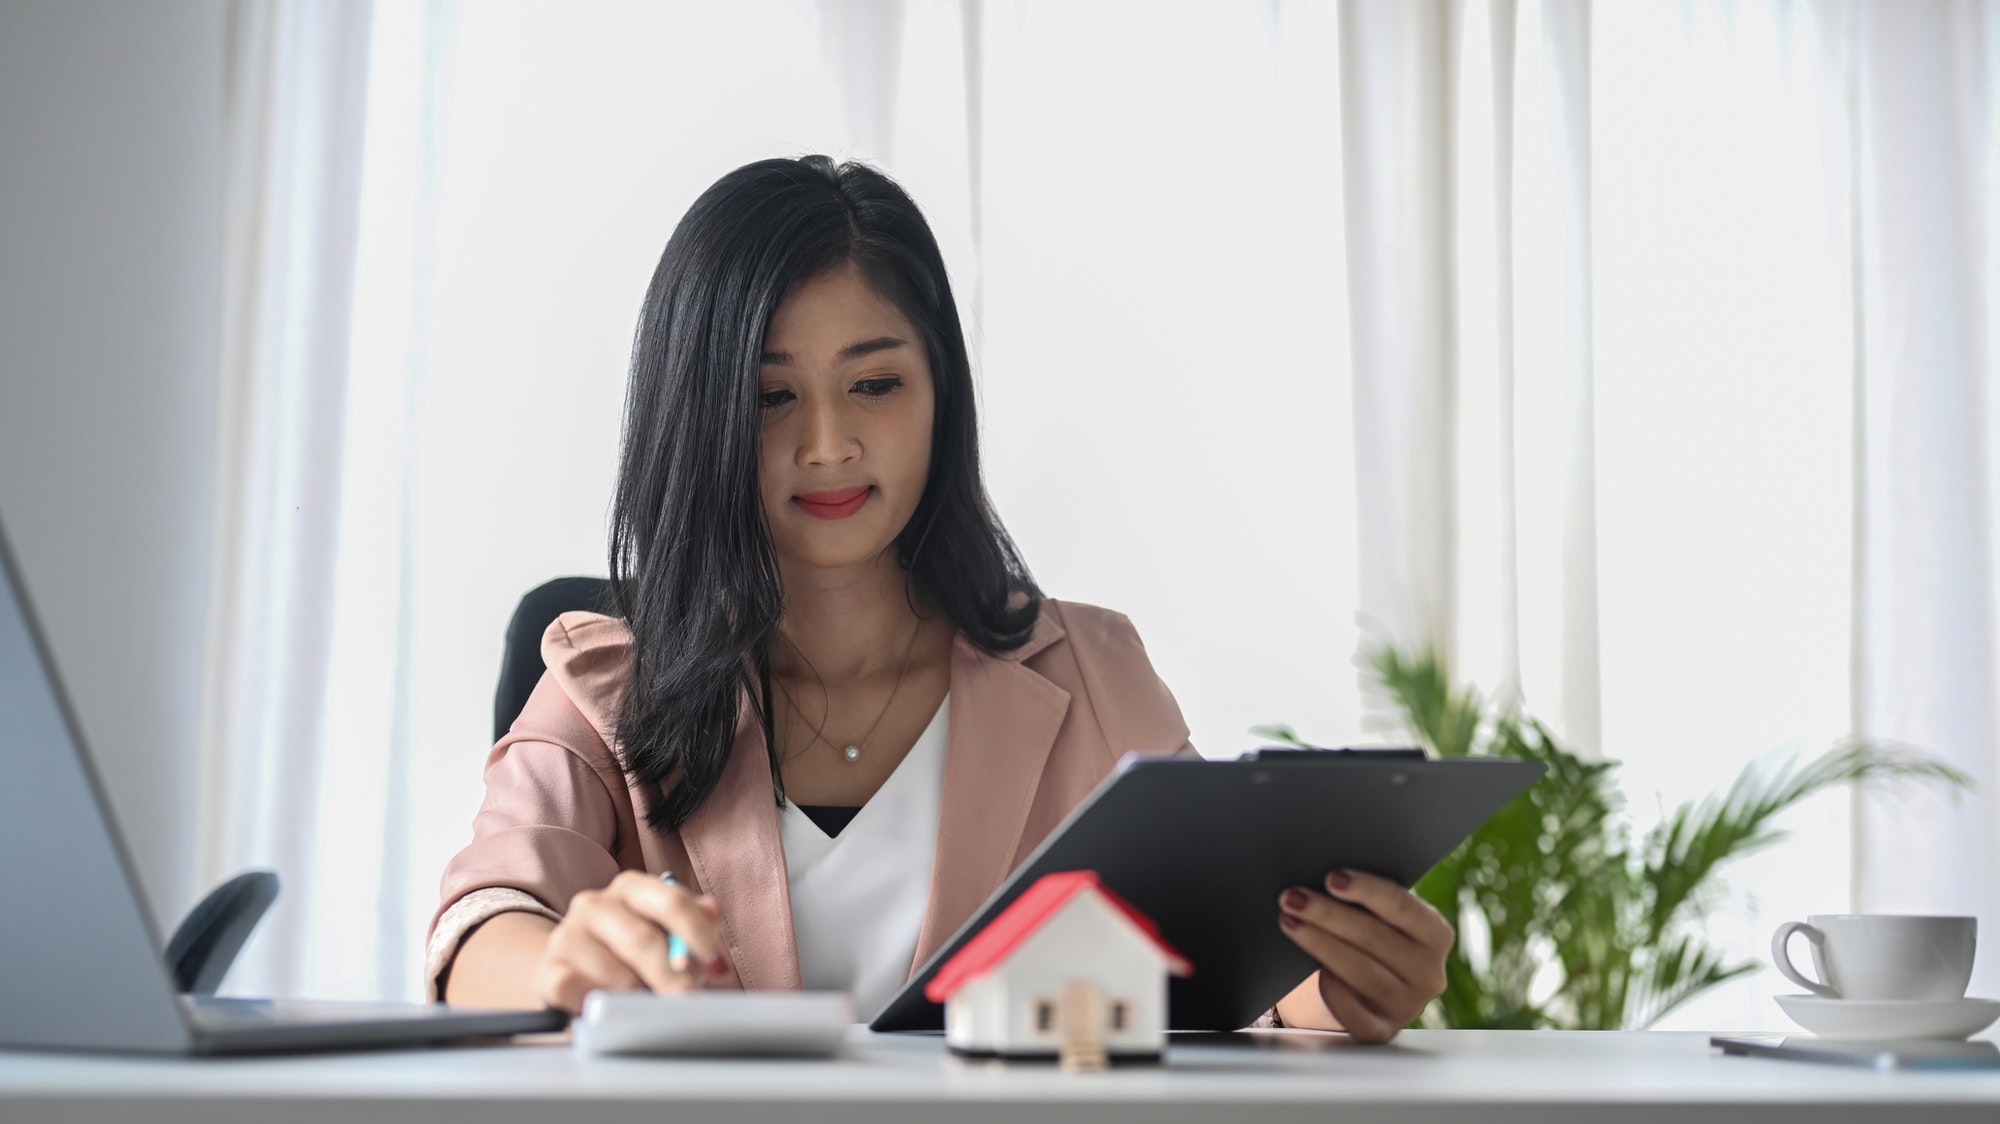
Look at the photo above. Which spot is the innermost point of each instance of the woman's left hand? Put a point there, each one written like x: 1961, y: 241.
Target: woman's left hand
x: 1381, y: 950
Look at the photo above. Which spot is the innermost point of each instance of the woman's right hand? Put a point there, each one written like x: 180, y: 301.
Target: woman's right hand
x: 617, y: 938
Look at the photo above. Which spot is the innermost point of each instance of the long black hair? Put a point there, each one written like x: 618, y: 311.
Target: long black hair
x: 692, y: 566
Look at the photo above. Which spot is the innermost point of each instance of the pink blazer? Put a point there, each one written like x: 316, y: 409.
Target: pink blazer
x: 1032, y: 732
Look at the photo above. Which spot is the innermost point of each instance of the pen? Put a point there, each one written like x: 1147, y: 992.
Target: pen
x: 677, y: 949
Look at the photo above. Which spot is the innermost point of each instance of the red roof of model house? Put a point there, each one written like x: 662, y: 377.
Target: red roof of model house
x: 1026, y: 914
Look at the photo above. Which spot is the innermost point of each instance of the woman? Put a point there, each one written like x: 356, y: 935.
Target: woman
x: 836, y: 708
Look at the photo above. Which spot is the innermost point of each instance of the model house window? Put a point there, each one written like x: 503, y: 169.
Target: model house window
x: 1119, y: 1015
x: 1045, y: 1017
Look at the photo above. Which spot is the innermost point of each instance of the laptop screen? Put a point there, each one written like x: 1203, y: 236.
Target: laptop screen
x: 82, y: 965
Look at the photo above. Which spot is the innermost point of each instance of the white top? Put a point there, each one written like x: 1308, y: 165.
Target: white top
x: 858, y: 898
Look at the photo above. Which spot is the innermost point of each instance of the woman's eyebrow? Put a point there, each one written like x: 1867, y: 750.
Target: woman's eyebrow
x: 847, y: 354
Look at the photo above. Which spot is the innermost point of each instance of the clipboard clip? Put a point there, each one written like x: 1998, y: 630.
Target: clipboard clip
x: 1357, y: 753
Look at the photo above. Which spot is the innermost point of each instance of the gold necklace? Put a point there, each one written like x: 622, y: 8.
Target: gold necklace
x: 852, y: 752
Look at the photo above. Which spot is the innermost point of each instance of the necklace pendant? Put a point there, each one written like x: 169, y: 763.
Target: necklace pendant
x: 852, y: 753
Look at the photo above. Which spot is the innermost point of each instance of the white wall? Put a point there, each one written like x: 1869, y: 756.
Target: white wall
x: 111, y: 121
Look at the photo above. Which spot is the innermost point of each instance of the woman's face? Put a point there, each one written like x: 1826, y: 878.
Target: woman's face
x: 846, y: 399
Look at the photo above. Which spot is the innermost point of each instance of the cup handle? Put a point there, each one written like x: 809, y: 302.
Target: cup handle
x: 1782, y: 957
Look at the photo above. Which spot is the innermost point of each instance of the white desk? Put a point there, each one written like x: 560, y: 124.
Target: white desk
x: 1492, y: 1077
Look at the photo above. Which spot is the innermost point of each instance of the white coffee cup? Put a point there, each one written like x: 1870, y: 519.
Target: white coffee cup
x: 1875, y: 956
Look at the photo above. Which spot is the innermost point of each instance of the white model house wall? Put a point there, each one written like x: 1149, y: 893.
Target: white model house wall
x: 1086, y: 940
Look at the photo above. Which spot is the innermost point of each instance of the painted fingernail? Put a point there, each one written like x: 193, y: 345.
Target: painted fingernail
x: 718, y: 967
x: 1294, y: 900
x: 1338, y: 881
x: 1290, y: 923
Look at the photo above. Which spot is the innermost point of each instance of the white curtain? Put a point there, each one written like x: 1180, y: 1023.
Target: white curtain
x: 296, y: 90
x: 1925, y: 160
x: 1635, y: 354
x: 1672, y: 393
x: 1469, y: 253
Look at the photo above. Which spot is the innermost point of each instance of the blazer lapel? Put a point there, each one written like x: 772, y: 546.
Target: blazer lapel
x: 738, y: 857
x: 1004, y: 720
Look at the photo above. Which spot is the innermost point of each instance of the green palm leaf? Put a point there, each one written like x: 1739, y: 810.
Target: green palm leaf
x: 1684, y: 851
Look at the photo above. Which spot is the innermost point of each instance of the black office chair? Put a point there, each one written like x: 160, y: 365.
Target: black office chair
x: 205, y: 943
x: 521, y: 660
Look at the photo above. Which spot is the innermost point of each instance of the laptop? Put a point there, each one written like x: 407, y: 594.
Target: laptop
x: 81, y: 967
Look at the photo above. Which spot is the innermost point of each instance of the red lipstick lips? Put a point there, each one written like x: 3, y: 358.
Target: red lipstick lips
x: 834, y: 505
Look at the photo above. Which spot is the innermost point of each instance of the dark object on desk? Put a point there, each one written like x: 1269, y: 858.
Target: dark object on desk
x: 1296, y: 752
x: 1900, y: 1053
x: 1204, y: 848
x: 521, y: 660
x: 83, y: 967
x: 205, y: 944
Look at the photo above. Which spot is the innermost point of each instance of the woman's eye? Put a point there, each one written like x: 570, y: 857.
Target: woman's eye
x: 876, y: 388
x: 772, y: 399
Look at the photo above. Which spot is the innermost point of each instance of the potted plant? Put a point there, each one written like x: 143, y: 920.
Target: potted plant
x: 1566, y: 920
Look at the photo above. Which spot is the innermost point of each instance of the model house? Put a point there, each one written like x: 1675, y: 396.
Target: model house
x: 1066, y: 950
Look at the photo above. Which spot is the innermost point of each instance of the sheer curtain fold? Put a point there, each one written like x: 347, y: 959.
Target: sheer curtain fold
x: 1554, y: 332
x: 863, y: 48
x: 1395, y: 105
x: 1468, y: 226
x: 296, y: 96
x: 1927, y: 239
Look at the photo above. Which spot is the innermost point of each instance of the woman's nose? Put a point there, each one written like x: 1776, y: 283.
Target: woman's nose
x: 828, y: 436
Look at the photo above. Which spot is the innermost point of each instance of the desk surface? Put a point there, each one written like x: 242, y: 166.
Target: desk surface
x: 1493, y: 1077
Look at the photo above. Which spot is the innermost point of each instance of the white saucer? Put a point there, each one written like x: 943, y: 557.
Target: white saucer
x: 1950, y: 1019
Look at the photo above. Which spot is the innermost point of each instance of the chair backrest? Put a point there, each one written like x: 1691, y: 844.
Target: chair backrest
x: 521, y: 662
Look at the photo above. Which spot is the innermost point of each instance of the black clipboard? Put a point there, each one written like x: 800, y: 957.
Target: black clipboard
x: 1204, y: 848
